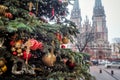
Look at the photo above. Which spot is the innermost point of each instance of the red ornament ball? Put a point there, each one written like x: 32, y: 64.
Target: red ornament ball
x: 63, y: 46
x: 8, y: 15
x: 70, y: 64
x: 31, y: 13
x: 15, y: 53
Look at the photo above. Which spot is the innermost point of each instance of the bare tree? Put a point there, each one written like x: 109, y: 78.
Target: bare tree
x: 85, y: 38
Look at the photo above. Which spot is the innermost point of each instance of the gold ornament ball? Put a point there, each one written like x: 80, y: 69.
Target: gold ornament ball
x: 65, y: 40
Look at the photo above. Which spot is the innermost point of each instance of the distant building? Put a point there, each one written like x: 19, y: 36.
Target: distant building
x: 95, y: 34
x: 115, y: 50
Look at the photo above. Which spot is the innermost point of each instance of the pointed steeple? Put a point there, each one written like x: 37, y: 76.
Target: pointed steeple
x: 98, y: 9
x: 76, y: 5
x: 76, y: 14
x: 98, y: 3
x: 87, y: 25
x: 99, y: 21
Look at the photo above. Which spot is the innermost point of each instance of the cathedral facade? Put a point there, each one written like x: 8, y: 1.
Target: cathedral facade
x: 93, y: 37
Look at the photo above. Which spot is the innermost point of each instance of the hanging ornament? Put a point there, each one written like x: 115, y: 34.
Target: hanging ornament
x: 3, y: 9
x: 70, y: 64
x: 8, y: 15
x: 65, y: 40
x: 13, y: 49
x: 30, y: 4
x: 3, y: 67
x: 14, y: 53
x: 31, y: 13
x: 63, y: 46
x: 19, y: 50
x: 49, y: 59
x: 18, y: 44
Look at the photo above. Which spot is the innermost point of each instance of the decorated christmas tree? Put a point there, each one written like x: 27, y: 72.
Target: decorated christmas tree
x: 32, y: 38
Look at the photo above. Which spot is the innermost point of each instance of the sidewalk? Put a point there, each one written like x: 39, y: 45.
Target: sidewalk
x: 100, y: 75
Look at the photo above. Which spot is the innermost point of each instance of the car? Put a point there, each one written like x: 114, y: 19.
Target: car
x: 94, y: 62
x: 103, y: 62
x: 113, y: 65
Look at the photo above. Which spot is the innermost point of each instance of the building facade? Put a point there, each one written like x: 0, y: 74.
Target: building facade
x: 93, y: 37
x: 115, y: 46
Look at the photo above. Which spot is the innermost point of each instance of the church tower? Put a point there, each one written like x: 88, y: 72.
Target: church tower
x: 92, y: 38
x: 76, y: 18
x: 101, y: 45
x: 99, y: 22
x: 76, y: 14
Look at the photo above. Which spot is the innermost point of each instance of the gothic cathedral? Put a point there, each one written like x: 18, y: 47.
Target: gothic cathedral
x: 93, y: 37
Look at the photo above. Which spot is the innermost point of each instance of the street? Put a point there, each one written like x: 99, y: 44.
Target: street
x: 102, y: 73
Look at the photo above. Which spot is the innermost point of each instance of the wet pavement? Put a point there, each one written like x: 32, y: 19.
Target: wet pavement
x: 101, y: 73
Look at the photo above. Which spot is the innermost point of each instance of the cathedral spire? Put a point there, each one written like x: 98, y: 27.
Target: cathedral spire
x: 98, y: 3
x: 76, y: 5
x: 99, y: 21
x: 76, y: 14
x: 98, y: 9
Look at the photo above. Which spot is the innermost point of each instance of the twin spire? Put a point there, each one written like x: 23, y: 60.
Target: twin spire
x: 98, y: 3
x: 97, y: 11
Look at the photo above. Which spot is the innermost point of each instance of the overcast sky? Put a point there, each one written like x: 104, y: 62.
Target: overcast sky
x: 112, y: 11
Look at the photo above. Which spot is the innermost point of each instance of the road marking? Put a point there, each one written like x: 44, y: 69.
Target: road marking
x: 111, y: 74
